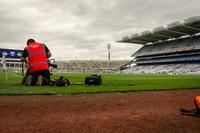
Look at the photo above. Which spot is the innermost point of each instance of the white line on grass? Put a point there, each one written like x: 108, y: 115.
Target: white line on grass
x: 16, y: 75
x: 152, y: 78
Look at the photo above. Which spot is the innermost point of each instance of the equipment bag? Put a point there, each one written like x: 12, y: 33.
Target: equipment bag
x: 93, y: 80
x: 197, y: 102
x: 192, y: 112
x: 62, y: 81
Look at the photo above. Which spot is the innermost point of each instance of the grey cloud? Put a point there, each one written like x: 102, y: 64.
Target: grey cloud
x: 82, y: 28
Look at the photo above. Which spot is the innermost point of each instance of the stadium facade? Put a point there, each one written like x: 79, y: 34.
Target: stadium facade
x: 171, y: 49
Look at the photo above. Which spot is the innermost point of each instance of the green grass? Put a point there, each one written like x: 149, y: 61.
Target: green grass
x: 111, y: 83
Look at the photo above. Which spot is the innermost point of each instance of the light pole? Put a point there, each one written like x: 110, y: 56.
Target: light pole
x: 108, y: 47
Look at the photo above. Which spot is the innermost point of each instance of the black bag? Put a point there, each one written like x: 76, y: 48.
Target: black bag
x: 62, y: 81
x: 93, y: 80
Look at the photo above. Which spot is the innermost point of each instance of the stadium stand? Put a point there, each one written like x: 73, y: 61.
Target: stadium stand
x: 12, y: 59
x: 97, y: 66
x: 173, y: 49
x: 13, y: 63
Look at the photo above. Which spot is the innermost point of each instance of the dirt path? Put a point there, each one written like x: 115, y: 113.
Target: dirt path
x: 141, y: 112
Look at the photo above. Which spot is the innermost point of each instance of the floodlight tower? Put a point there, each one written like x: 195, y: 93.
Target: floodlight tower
x: 108, y: 47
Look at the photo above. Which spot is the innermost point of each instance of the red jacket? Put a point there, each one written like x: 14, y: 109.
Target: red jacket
x: 37, y: 58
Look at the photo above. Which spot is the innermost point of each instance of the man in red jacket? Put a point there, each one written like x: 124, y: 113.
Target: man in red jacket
x: 36, y: 55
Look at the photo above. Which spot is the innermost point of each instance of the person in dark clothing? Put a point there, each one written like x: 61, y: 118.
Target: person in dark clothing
x: 36, y: 56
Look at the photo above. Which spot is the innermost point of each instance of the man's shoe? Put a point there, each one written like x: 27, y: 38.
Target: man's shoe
x: 39, y: 80
x: 28, y: 81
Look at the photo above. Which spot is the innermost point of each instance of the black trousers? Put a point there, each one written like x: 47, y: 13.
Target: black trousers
x: 44, y: 73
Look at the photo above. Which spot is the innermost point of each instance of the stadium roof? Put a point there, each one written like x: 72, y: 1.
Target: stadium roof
x: 188, y: 27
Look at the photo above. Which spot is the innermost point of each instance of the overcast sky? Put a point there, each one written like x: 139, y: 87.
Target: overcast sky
x: 81, y: 29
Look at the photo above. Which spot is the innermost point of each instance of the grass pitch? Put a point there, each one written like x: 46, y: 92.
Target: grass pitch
x: 111, y: 83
